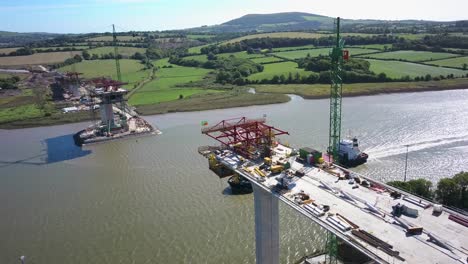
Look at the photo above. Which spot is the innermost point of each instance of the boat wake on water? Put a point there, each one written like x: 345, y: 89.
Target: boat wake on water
x: 383, y: 151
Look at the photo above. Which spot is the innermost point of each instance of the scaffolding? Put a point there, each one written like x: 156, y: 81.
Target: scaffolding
x: 251, y: 138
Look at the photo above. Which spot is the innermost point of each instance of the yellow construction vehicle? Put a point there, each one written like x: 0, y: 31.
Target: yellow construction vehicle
x: 276, y: 168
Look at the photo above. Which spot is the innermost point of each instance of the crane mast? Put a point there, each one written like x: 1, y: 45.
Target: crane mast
x: 336, y: 56
x: 116, y: 54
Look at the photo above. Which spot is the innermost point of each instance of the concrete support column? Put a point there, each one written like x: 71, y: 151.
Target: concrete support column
x: 266, y: 227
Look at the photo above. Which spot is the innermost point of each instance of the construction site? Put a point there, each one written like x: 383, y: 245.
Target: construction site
x: 381, y: 223
x: 116, y: 120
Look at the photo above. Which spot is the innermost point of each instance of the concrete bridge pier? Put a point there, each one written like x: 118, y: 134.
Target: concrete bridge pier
x: 266, y: 226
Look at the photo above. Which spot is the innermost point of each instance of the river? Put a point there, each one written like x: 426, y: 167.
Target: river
x: 153, y: 199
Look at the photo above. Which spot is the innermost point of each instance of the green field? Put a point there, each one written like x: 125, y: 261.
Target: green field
x: 266, y: 60
x: 164, y: 87
x: 132, y: 70
x: 124, y: 51
x: 119, y: 38
x: 277, y: 69
x: 38, y: 58
x: 197, y: 49
x: 397, y: 69
x: 297, y: 54
x: 200, y: 58
x: 27, y: 111
x: 453, y: 62
x: 410, y: 55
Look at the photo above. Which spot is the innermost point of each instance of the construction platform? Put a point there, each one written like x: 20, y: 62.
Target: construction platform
x: 361, y: 216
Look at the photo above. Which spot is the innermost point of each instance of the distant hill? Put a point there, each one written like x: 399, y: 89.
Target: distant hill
x: 297, y: 21
x: 19, y: 39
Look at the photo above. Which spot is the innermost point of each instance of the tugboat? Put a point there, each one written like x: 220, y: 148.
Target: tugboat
x: 239, y: 184
x: 350, y: 154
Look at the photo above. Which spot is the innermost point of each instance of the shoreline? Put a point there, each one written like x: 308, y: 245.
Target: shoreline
x: 80, y: 117
x: 409, y: 90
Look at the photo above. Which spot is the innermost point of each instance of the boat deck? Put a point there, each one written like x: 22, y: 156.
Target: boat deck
x: 354, y: 211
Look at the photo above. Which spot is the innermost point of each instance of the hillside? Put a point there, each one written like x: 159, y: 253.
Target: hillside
x: 19, y: 39
x: 298, y: 21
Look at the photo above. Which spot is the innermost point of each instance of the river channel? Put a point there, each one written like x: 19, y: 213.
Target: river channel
x: 153, y: 199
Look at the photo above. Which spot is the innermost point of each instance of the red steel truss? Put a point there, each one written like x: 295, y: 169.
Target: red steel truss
x: 245, y: 135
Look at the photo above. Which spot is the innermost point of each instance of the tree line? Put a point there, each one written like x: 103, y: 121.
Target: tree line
x: 449, y: 191
x: 434, y: 43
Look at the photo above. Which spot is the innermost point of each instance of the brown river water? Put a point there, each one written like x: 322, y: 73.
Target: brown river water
x: 153, y: 199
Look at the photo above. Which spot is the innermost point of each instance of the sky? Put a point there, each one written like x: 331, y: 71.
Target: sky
x: 83, y: 16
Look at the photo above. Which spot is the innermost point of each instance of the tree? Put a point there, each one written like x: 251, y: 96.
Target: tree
x: 275, y: 79
x: 78, y: 58
x: 290, y: 78
x: 137, y: 56
x: 465, y: 66
x: 95, y: 57
x: 419, y: 187
x: 448, y: 192
x: 211, y: 56
x: 282, y: 78
x: 40, y: 94
x: 297, y: 78
x: 85, y: 55
x: 462, y: 181
x: 382, y: 77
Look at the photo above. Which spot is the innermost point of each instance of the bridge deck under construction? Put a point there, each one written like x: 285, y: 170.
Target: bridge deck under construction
x: 359, y: 210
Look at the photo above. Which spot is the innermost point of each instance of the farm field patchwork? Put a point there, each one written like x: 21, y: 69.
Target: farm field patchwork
x: 38, y: 58
x: 453, y: 62
x: 398, y: 69
x: 119, y: 38
x: 132, y: 70
x: 411, y: 55
x: 164, y: 87
x: 124, y: 51
x: 296, y: 54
